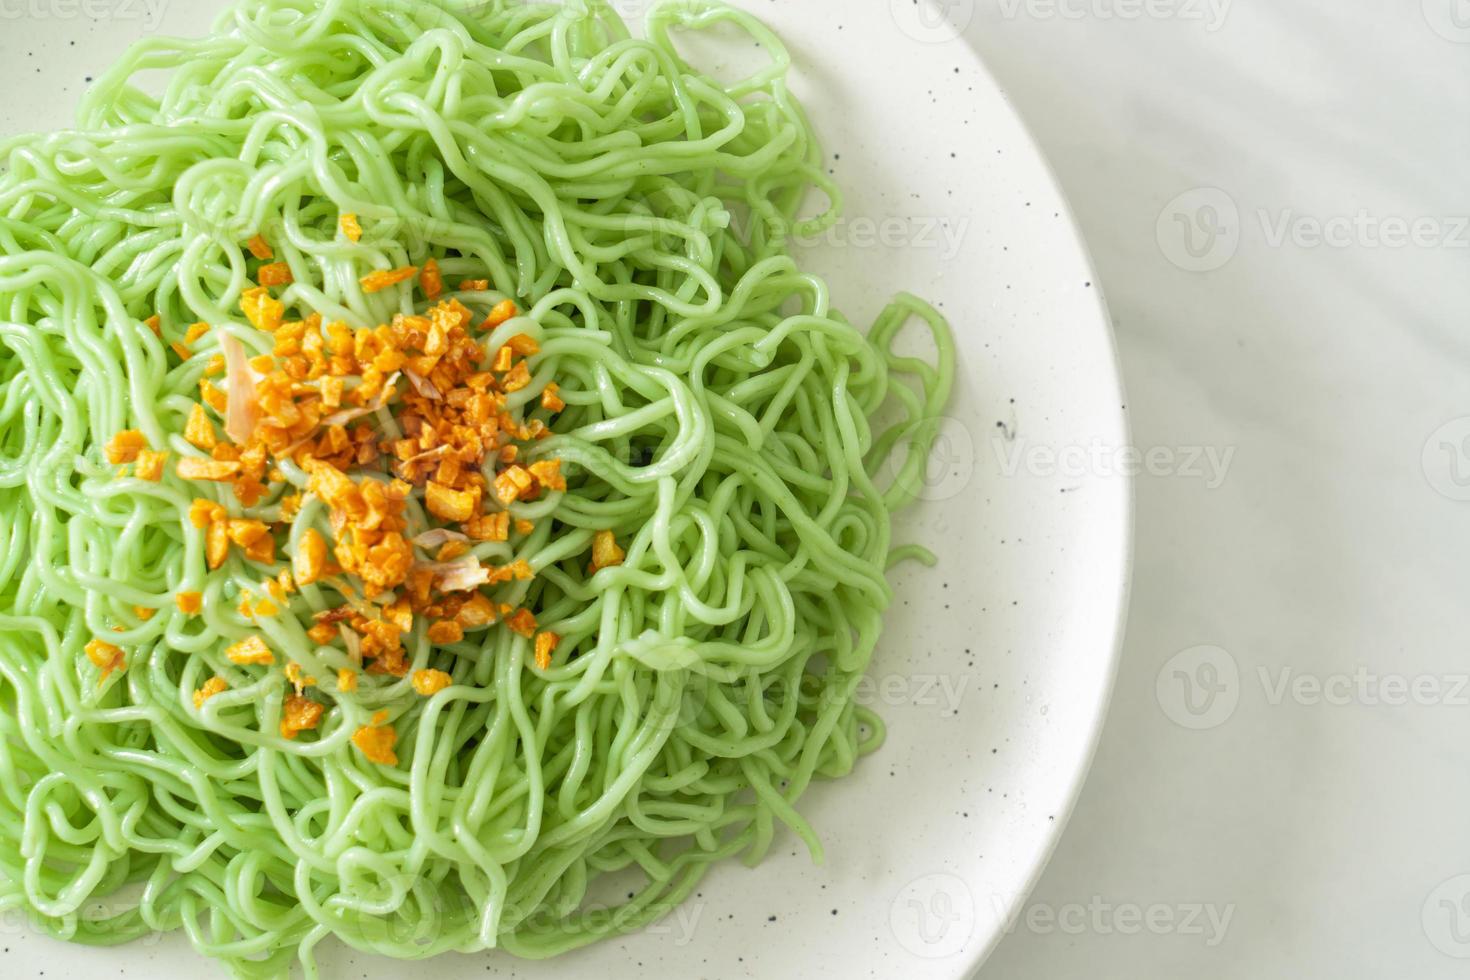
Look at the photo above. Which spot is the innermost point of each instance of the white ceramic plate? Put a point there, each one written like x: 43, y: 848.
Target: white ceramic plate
x: 996, y: 666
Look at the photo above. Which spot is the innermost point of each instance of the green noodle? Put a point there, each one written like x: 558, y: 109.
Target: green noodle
x: 721, y: 417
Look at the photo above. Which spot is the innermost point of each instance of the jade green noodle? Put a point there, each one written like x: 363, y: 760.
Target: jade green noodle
x: 722, y: 419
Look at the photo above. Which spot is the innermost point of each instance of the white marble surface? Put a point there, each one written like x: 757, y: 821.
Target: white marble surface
x: 1327, y: 825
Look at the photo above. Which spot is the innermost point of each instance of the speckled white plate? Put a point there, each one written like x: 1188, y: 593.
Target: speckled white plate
x: 996, y: 667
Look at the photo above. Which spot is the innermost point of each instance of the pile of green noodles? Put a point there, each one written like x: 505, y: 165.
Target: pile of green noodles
x: 721, y: 419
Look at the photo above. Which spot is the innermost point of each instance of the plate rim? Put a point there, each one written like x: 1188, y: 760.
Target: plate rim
x: 1113, y: 419
x: 1116, y: 418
